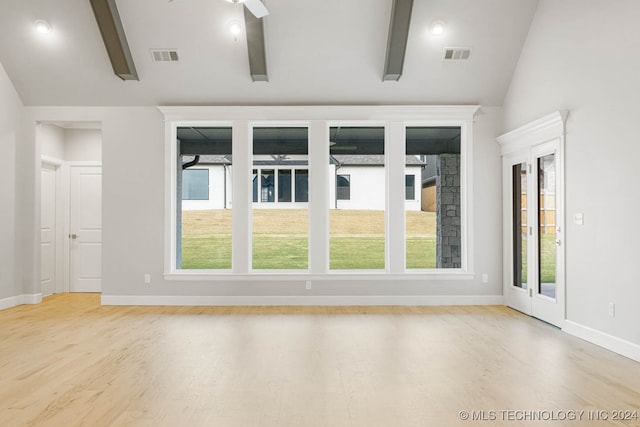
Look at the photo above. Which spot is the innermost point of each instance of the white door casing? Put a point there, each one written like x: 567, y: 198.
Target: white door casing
x: 48, y: 242
x: 85, y: 226
x: 528, y: 144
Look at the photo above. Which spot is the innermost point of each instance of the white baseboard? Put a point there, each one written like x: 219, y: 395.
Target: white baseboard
x: 615, y: 344
x: 421, y: 300
x: 8, y: 302
x: 31, y: 298
x: 19, y: 300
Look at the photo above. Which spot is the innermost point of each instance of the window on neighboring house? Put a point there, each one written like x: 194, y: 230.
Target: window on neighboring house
x: 254, y: 185
x: 343, y: 187
x: 267, y: 185
x: 195, y: 184
x: 409, y: 187
x: 284, y: 185
x: 302, y: 185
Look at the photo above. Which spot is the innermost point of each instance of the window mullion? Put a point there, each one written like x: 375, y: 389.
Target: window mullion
x: 242, y: 197
x: 319, y: 183
x: 395, y: 206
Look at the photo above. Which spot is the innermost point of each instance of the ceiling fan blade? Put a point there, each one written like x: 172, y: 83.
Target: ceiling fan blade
x: 256, y: 7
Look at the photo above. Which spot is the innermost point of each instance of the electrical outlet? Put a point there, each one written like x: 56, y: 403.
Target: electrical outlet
x: 147, y: 278
x: 308, y: 284
x: 578, y: 219
x: 612, y: 309
x: 485, y: 278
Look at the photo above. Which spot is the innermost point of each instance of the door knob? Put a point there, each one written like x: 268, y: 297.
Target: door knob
x: 73, y: 236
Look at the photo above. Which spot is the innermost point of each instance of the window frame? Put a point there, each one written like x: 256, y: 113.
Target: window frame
x: 319, y: 120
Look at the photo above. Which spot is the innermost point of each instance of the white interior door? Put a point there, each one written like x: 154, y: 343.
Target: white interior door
x: 48, y: 229
x: 85, y: 225
x: 534, y: 261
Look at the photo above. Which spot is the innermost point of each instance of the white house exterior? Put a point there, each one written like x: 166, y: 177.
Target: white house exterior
x: 283, y: 184
x: 366, y: 175
x: 217, y: 193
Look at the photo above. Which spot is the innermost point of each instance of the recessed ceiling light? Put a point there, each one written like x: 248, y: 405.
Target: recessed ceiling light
x: 42, y: 26
x: 235, y: 28
x: 437, y: 28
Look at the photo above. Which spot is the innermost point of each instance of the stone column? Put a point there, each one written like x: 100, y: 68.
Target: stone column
x: 448, y: 234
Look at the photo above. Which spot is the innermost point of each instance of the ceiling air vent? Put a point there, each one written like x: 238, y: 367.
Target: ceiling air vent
x: 456, y: 53
x: 164, y: 55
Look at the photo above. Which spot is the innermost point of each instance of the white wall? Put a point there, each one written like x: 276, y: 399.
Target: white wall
x: 10, y: 126
x: 52, y: 141
x: 582, y: 56
x: 68, y: 144
x: 82, y: 145
x: 133, y: 216
x: 367, y: 190
x: 486, y: 206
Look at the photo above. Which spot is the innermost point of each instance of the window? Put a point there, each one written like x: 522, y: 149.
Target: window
x: 342, y: 168
x: 433, y: 233
x: 203, y: 234
x: 267, y: 185
x: 357, y: 239
x: 195, y: 184
x: 302, y: 185
x: 280, y: 227
x: 284, y: 185
x: 409, y: 187
x: 343, y: 187
x: 254, y: 182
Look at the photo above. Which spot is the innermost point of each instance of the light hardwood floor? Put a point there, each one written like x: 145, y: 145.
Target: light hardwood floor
x: 71, y: 362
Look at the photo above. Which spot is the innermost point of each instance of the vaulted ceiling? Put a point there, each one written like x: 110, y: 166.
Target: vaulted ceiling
x: 318, y: 52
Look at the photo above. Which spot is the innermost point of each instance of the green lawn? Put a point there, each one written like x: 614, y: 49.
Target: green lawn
x: 280, y: 239
x: 547, y: 257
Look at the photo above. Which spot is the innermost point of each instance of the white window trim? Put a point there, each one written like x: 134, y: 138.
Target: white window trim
x: 319, y: 119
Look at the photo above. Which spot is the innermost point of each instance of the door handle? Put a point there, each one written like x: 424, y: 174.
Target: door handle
x: 73, y: 236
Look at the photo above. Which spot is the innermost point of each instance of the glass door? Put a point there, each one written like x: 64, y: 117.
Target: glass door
x: 519, y: 200
x: 533, y: 259
x: 517, y: 231
x: 547, y: 260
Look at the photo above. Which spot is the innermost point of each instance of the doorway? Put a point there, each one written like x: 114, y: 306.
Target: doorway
x: 533, y: 201
x: 70, y: 207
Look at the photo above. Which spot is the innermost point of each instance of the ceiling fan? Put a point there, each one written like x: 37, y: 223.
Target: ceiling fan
x: 256, y: 7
